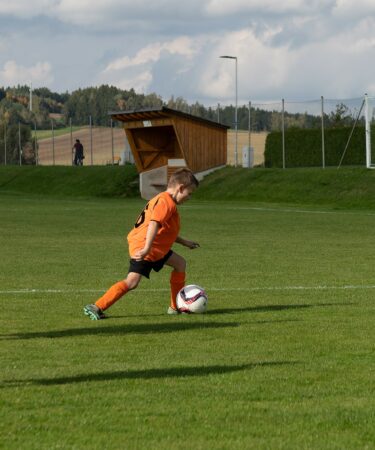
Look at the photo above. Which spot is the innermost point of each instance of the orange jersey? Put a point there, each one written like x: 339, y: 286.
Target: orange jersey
x: 163, y: 210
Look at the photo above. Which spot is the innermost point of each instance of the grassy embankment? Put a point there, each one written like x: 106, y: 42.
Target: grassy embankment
x: 344, y: 188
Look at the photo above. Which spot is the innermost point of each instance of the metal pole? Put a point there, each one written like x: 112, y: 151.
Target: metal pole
x: 71, y: 140
x: 19, y: 143
x: 91, y: 139
x: 31, y: 97
x: 218, y: 112
x: 323, y: 147
x: 249, y: 125
x: 53, y: 143
x: 350, y: 136
x: 36, y: 152
x: 112, y: 143
x: 368, y: 133
x: 235, y: 111
x: 236, y: 120
x: 5, y: 144
x: 283, y: 131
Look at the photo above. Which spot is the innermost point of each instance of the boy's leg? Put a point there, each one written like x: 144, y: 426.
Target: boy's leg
x: 113, y: 294
x: 119, y: 289
x: 177, y: 280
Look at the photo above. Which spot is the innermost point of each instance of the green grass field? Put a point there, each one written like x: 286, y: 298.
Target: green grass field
x: 283, y: 359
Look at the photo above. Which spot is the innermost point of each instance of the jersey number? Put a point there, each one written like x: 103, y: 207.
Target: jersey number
x: 141, y: 217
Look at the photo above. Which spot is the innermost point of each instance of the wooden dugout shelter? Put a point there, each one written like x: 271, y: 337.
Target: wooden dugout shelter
x: 163, y: 140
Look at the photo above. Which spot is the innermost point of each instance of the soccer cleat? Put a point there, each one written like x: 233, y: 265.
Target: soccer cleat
x: 94, y: 312
x: 173, y: 312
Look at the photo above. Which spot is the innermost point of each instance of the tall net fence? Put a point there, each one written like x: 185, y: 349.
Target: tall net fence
x: 353, y: 118
x: 101, y: 146
x: 337, y: 130
x: 25, y: 144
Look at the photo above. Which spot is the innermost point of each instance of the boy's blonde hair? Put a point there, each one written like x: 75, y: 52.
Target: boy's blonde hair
x: 183, y: 176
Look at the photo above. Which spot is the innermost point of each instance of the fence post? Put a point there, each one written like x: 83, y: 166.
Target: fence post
x: 112, y: 144
x: 368, y: 133
x: 19, y: 143
x: 249, y: 125
x: 323, y: 146
x: 91, y: 140
x: 283, y: 130
x: 53, y: 143
x: 71, y: 140
x: 5, y: 144
x: 36, y: 151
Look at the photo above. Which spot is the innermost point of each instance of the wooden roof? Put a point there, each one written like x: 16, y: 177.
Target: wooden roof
x: 159, y: 113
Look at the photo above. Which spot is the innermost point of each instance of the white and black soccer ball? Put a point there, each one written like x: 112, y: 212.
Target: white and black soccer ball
x: 192, y: 299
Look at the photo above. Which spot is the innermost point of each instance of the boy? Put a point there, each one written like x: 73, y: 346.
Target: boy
x: 150, y: 241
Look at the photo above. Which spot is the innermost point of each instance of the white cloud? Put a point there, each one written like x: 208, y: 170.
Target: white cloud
x: 260, y: 67
x: 224, y: 7
x: 26, y: 9
x: 151, y: 53
x: 352, y: 9
x: 13, y: 73
x: 289, y: 48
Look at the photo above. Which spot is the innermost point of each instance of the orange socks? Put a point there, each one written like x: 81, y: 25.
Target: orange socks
x: 119, y: 289
x: 177, y: 282
x: 112, y: 295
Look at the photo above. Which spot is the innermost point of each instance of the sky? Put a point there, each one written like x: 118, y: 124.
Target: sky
x: 293, y: 49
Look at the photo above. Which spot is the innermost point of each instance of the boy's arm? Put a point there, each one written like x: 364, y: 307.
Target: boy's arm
x: 152, y: 230
x: 187, y: 242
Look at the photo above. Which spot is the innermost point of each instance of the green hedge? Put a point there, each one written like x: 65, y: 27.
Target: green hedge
x: 303, y: 148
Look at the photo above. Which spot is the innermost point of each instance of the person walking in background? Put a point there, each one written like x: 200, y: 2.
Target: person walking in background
x: 78, y: 153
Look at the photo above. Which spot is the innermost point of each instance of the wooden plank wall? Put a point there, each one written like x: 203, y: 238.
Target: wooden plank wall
x: 204, y: 146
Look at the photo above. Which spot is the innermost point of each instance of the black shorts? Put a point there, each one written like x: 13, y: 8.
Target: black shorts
x: 144, y: 267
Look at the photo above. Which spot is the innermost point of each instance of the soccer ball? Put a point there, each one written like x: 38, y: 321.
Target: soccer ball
x: 192, y: 299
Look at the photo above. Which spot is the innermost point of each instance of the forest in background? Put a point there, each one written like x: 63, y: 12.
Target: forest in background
x: 96, y: 102
x: 77, y: 108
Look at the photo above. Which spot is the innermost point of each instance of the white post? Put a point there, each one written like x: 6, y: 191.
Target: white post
x: 368, y: 133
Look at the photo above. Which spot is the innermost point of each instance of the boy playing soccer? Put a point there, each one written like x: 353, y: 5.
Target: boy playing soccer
x: 150, y: 241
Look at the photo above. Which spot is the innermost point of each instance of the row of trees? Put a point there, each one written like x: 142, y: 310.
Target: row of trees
x: 96, y: 102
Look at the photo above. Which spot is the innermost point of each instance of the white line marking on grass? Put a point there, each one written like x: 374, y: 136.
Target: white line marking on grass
x: 303, y: 211
x: 229, y: 289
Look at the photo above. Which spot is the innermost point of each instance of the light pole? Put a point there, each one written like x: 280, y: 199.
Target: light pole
x: 235, y: 111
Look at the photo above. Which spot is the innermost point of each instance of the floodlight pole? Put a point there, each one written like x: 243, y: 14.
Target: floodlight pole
x: 235, y: 111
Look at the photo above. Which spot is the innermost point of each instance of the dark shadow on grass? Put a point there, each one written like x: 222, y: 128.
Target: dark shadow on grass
x: 97, y: 329
x: 147, y: 374
x: 270, y: 308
